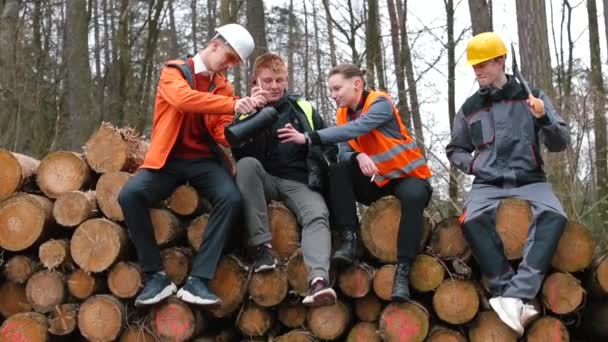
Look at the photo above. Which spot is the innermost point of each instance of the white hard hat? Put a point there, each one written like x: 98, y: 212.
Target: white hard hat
x: 239, y: 39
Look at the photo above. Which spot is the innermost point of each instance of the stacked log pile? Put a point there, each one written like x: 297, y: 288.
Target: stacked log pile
x: 69, y: 271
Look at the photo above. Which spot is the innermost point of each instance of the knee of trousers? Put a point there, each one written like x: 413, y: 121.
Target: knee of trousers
x: 549, y: 228
x: 486, y: 245
x: 130, y: 195
x: 247, y: 166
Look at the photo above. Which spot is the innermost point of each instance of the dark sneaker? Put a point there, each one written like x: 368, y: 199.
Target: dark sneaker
x: 346, y: 255
x: 320, y: 294
x: 158, y: 287
x: 195, y: 291
x: 264, y: 260
x: 401, y: 284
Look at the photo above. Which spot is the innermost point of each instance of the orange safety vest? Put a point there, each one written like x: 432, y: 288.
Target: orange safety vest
x: 394, y: 157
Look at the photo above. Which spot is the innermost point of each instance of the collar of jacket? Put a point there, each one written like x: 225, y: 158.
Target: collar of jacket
x: 507, y: 92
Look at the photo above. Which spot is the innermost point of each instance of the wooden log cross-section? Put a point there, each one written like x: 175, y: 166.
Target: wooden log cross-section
x: 229, y: 284
x: 329, y: 322
x: 74, y: 207
x: 63, y: 319
x: 82, y: 284
x: 13, y: 299
x: 100, y: 318
x: 254, y: 320
x: 456, y: 301
x: 269, y: 288
x: 125, y: 279
x: 107, y: 189
x: 186, y: 201
x: 112, y: 149
x: 55, y: 253
x: 62, y: 171
x: 575, y: 249
x: 45, y: 290
x: 488, y: 327
x: 25, y: 327
x: 17, y: 170
x: 24, y: 221
x: 513, y: 219
x: 174, y: 320
x: 597, y: 278
x: 97, y: 243
x: 380, y: 227
x: 404, y: 322
x: 19, y: 268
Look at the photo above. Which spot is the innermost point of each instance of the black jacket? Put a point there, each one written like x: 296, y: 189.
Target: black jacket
x: 302, y: 163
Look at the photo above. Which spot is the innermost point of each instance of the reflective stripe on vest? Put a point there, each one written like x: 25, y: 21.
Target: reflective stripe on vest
x: 307, y: 109
x: 394, y: 157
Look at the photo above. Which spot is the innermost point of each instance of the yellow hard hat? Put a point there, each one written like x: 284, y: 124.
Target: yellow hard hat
x: 485, y: 46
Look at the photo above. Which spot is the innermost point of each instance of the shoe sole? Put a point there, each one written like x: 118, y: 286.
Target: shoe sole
x: 322, y: 298
x: 504, y: 317
x: 192, y: 299
x: 165, y: 293
x: 341, y: 262
x: 265, y: 268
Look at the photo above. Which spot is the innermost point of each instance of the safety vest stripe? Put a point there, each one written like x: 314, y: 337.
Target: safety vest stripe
x: 390, y: 154
x: 414, y: 164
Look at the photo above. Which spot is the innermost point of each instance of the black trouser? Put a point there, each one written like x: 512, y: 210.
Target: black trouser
x: 348, y: 185
x: 147, y: 187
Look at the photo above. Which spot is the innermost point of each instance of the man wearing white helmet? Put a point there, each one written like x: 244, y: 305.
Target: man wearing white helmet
x: 194, y: 102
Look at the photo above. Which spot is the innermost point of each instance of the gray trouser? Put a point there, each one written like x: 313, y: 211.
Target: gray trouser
x: 258, y: 188
x: 546, y: 227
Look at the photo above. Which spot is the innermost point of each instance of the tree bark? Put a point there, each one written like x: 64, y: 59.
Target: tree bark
x: 80, y: 122
x: 599, y: 111
x: 402, y: 104
x: 374, y: 39
x: 451, y: 44
x: 291, y: 47
x: 9, y: 17
x: 330, y: 34
x: 481, y: 15
x: 256, y: 24
x: 173, y: 42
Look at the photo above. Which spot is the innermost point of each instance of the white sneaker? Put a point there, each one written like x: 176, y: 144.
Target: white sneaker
x: 509, y: 311
x: 528, y: 313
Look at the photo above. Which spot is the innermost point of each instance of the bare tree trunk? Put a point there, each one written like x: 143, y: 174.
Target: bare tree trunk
x: 80, y: 125
x: 449, y: 9
x: 481, y: 15
x: 228, y: 13
x: 193, y: 12
x: 375, y: 39
x: 330, y: 34
x: 534, y: 44
x: 291, y: 43
x: 606, y: 21
x: 599, y: 110
x: 98, y: 75
x: 8, y: 92
x: 173, y: 44
x: 321, y: 98
x: 306, y: 48
x: 120, y: 66
x: 402, y: 105
x: 211, y: 18
x: 411, y: 82
x: 256, y: 24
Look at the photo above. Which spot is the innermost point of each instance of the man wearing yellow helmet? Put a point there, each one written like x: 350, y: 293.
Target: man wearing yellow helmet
x: 502, y: 126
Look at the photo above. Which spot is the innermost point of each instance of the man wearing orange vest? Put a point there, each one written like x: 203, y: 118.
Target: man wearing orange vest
x: 194, y: 102
x: 378, y: 158
x: 503, y: 126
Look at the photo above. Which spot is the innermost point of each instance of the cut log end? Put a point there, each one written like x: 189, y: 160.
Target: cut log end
x: 512, y: 224
x: 136, y: 333
x: 368, y: 308
x: 186, y: 201
x: 597, y: 280
x: 254, y: 320
x: 404, y: 322
x: 456, y: 301
x: 24, y: 219
x: 111, y: 149
x: 297, y: 273
x: 19, y: 268
x: 176, y: 262
x: 100, y: 318
x: 329, y: 322
x: 292, y: 315
x: 16, y: 170
x: 441, y: 334
x: 166, y: 225
x: 28, y: 326
x: 284, y: 230
x: 562, y: 293
x: 82, y: 284
x: 62, y: 171
x: 447, y: 239
x: 125, y: 279
x: 575, y: 249
x: 196, y: 231
x: 363, y: 332
x: 383, y: 281
x: 63, y: 319
x: 74, y: 207
x: 427, y: 273
x: 380, y: 226
x: 356, y: 281
x: 97, y: 243
x: 229, y: 284
x: 548, y: 328
x: 13, y: 299
x: 297, y: 335
x: 174, y: 321
x: 45, y: 290
x: 107, y: 189
x: 488, y: 327
x: 54, y: 253
x: 269, y: 288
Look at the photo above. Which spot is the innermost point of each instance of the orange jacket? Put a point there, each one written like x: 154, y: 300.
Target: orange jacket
x: 174, y: 99
x: 395, y: 158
